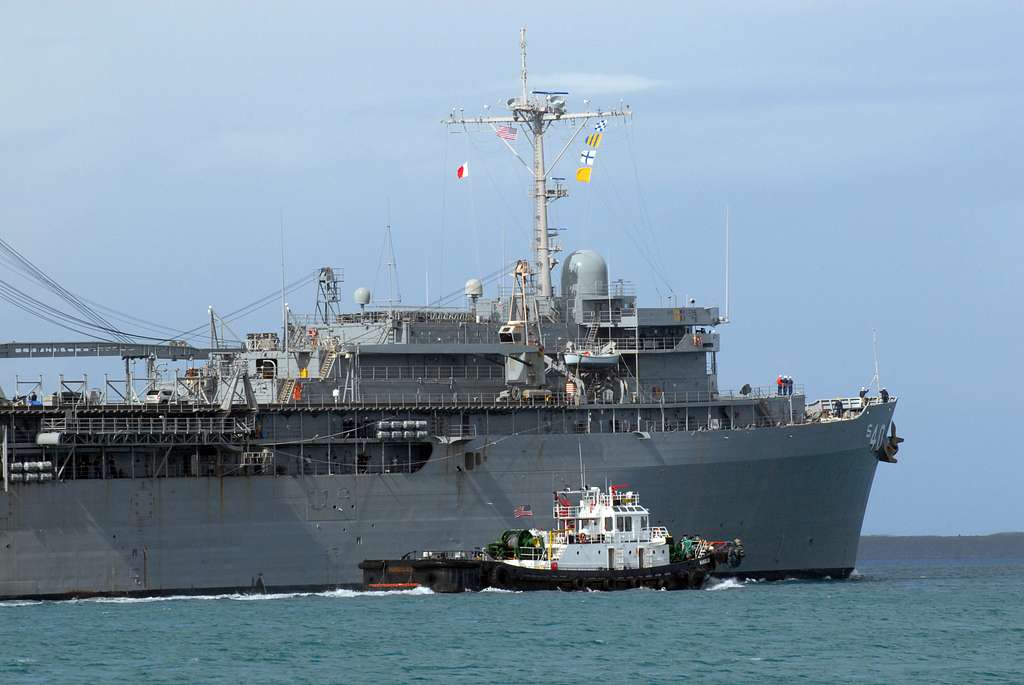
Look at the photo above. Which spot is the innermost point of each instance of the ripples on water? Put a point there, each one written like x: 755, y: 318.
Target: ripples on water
x: 923, y: 623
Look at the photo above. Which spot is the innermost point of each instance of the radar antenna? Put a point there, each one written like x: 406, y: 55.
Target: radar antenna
x: 535, y: 115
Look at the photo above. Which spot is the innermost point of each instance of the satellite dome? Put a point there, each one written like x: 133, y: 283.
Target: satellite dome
x: 362, y: 296
x: 474, y: 288
x: 584, y: 272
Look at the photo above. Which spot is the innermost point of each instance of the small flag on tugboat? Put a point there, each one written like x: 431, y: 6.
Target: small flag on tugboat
x: 506, y: 132
x: 594, y: 139
x: 521, y: 511
x: 587, y: 157
x: 462, y: 171
x: 600, y: 126
x: 583, y: 174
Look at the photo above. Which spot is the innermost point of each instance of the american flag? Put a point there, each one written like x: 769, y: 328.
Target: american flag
x: 506, y: 132
x: 522, y: 510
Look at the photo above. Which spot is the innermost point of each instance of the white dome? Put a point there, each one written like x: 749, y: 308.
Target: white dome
x: 586, y: 272
x: 362, y: 296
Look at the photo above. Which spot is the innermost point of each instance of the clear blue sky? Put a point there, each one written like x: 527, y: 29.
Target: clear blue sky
x: 871, y: 154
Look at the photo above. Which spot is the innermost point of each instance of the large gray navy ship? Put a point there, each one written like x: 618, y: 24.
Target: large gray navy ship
x: 368, y: 431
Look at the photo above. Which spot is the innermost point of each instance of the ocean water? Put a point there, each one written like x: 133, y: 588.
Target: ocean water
x: 922, y: 622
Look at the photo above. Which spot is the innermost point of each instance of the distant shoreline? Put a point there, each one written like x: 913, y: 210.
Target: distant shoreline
x: 900, y: 547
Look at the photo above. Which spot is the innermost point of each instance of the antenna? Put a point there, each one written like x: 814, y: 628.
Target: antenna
x: 583, y: 479
x: 522, y: 52
x: 394, y: 287
x: 284, y: 303
x: 874, y: 345
x: 537, y: 113
x: 726, y: 319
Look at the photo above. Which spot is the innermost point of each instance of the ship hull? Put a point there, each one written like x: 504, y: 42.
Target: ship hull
x: 795, y: 495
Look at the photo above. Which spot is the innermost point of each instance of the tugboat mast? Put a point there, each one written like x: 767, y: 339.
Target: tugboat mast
x: 534, y: 115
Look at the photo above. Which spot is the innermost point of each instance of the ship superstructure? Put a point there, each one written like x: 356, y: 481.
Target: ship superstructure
x: 302, y: 452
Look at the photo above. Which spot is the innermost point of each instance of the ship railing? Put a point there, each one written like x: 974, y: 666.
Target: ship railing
x: 458, y: 431
x: 504, y: 399
x: 714, y: 424
x: 615, y: 316
x: 660, y: 344
x: 445, y: 554
x: 837, y: 407
x: 161, y: 425
x: 427, y: 373
x: 841, y: 407
x: 569, y: 512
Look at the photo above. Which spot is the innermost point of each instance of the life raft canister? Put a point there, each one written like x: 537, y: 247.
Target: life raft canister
x: 297, y: 392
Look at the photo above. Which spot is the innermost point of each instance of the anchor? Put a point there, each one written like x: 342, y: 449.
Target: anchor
x: 887, y: 452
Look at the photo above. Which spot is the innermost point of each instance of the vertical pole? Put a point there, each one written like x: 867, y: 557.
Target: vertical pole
x: 522, y: 52
x: 727, y: 262
x: 874, y: 345
x: 213, y: 328
x: 284, y: 305
x: 3, y: 457
x: 540, y: 196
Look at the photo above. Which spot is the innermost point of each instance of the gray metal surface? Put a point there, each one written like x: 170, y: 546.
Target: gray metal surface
x: 795, y: 494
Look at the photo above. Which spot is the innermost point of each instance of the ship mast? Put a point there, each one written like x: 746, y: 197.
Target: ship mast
x: 535, y: 114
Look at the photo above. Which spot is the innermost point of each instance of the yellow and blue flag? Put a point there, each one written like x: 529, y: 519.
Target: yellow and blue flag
x: 593, y: 140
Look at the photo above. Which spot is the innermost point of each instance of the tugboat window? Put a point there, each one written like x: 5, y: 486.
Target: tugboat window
x: 608, y: 523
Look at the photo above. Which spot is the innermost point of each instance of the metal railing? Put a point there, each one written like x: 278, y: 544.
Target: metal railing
x: 504, y: 399
x: 427, y: 373
x: 614, y: 316
x: 186, y: 425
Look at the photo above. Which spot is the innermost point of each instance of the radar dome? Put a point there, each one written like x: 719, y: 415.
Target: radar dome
x: 362, y: 296
x: 584, y: 272
x: 474, y: 288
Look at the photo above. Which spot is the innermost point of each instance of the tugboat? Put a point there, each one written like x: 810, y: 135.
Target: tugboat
x: 603, y: 541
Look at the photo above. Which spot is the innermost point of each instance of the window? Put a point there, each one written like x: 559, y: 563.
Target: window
x: 643, y: 522
x: 608, y: 523
x: 628, y: 520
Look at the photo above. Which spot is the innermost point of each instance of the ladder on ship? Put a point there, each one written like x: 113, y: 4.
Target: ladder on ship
x: 591, y: 336
x: 285, y: 393
x: 328, y: 364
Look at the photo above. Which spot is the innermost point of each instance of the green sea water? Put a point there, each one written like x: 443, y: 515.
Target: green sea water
x: 934, y: 622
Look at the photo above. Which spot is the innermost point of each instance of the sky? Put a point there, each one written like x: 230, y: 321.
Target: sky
x: 869, y: 154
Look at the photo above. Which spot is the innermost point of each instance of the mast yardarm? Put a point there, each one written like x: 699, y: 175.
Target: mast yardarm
x: 536, y: 112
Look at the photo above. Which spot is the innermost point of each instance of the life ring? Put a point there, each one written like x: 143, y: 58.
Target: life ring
x: 583, y: 538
